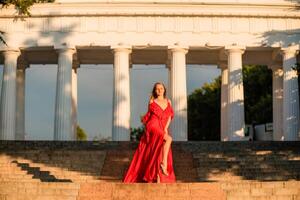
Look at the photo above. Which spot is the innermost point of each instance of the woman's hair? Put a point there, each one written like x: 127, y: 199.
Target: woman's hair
x: 154, y: 95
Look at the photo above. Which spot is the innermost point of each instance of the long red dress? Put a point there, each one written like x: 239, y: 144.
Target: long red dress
x: 145, y: 164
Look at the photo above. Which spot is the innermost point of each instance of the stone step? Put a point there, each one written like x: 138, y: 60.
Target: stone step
x: 232, y: 167
x: 16, y: 176
x: 27, y: 180
x: 39, y: 174
x: 262, y: 191
x: 249, y: 173
x: 114, y: 191
x: 236, y: 159
x: 240, y: 152
x: 223, y: 190
x: 235, y: 178
x: 37, y: 197
x: 60, y: 164
x: 236, y: 170
x: 49, y: 178
x: 96, y: 145
x: 249, y: 166
x: 268, y: 150
x: 271, y: 197
x: 93, y: 154
x: 214, y: 161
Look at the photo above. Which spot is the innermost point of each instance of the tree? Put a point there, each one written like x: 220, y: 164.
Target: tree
x: 258, y: 94
x: 23, y: 6
x: 81, y: 134
x: 204, y: 112
x: 204, y: 103
x: 136, y: 133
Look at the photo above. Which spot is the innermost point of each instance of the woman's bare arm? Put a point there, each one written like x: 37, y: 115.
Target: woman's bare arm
x: 169, y: 120
x: 167, y: 124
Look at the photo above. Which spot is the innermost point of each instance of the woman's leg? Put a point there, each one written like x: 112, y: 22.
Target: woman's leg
x: 158, y: 178
x: 166, y: 147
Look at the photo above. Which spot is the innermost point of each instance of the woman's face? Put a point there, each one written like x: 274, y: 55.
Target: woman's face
x: 159, y: 90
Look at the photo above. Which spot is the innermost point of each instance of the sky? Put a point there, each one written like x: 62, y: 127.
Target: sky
x: 95, y: 96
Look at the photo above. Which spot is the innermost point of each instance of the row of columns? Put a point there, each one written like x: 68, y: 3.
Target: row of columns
x: 12, y: 102
x: 285, y: 96
x: 65, y: 120
x: 121, y: 95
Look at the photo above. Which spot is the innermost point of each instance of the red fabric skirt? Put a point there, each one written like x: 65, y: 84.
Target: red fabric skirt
x: 145, y: 164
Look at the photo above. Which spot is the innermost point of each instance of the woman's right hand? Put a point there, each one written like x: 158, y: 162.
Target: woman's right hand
x: 141, y: 117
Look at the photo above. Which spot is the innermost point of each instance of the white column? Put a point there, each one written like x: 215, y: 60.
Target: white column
x: 168, y: 66
x: 290, y: 95
x: 277, y: 88
x: 20, y: 104
x: 8, y: 96
x: 169, y: 91
x: 224, y: 99
x: 121, y: 94
x: 178, y: 93
x: 63, y: 103
x: 74, y: 101
x: 235, y: 109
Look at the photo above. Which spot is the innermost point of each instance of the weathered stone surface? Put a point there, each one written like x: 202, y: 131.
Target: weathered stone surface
x: 205, y: 170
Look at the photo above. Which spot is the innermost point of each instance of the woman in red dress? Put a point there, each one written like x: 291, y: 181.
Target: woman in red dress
x: 152, y: 161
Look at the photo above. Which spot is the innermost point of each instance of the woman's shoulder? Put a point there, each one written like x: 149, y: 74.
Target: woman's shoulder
x: 151, y: 101
x: 169, y: 100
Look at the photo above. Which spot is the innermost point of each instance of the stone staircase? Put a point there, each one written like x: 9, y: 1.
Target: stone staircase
x: 204, y: 170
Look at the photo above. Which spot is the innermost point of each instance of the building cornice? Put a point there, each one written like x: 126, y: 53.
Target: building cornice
x: 146, y: 8
x: 193, y: 2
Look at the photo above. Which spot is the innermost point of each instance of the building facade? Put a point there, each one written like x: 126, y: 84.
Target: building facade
x: 227, y: 33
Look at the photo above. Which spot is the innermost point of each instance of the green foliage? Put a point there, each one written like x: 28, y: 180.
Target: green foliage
x: 297, y: 67
x: 136, y: 133
x: 81, y: 134
x: 23, y: 6
x: 204, y: 112
x: 204, y: 103
x: 257, y: 94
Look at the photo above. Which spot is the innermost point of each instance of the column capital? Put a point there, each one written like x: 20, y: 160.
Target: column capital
x: 235, y: 48
x: 275, y: 66
x: 3, y: 49
x: 66, y: 50
x: 121, y: 48
x: 11, y: 52
x: 178, y: 48
x: 292, y: 50
x: 222, y: 65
